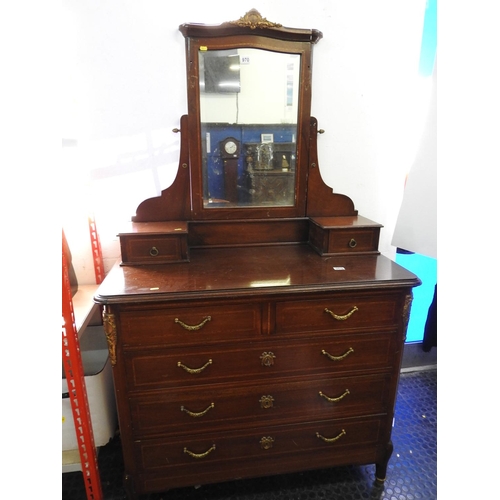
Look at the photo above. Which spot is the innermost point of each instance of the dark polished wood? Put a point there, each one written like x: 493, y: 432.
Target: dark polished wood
x: 248, y: 341
x: 259, y: 356
x: 251, y: 232
x: 226, y: 272
x: 260, y: 301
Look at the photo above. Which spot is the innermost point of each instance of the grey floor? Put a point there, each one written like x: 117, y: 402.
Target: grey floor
x: 411, y: 475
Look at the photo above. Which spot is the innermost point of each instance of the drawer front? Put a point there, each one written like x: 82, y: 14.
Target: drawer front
x: 210, y: 453
x: 353, y: 241
x: 199, y: 324
x: 337, y: 314
x: 163, y: 368
x: 198, y: 410
x: 153, y: 249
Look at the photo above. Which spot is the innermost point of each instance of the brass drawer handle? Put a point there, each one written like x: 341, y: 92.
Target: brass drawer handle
x: 200, y: 414
x: 334, y: 400
x: 154, y: 252
x: 342, y: 317
x: 337, y: 358
x: 267, y: 358
x: 331, y: 440
x: 200, y: 455
x: 194, y: 370
x: 353, y: 243
x: 192, y: 328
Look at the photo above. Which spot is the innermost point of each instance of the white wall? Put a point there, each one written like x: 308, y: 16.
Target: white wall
x: 125, y: 90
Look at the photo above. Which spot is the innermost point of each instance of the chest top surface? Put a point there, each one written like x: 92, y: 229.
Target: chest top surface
x: 244, y: 271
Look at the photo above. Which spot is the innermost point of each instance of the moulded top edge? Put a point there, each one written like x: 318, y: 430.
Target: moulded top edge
x: 252, y: 23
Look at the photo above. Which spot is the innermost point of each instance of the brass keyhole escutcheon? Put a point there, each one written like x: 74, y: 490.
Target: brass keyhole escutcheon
x: 353, y: 243
x: 154, y: 252
x: 267, y: 358
x: 266, y: 402
x: 266, y: 442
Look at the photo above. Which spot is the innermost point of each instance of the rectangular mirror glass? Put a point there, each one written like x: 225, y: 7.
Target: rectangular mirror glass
x: 248, y: 112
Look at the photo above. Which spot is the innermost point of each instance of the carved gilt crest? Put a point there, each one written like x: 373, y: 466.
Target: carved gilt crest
x: 252, y: 19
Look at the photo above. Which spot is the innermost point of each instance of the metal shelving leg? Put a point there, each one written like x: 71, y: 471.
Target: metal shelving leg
x: 73, y: 369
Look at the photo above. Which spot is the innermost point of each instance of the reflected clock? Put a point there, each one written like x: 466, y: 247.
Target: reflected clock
x: 230, y: 148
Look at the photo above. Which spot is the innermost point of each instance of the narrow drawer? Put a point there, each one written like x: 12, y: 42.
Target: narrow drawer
x: 154, y: 249
x: 353, y: 241
x: 209, y: 453
x: 339, y: 313
x: 190, y: 325
x: 344, y: 235
x: 198, y: 410
x: 264, y: 361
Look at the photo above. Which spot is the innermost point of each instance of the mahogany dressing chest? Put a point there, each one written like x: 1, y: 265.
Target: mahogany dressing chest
x: 251, y: 333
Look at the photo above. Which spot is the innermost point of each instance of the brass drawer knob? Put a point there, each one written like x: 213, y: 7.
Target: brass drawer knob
x: 352, y: 243
x: 154, y: 252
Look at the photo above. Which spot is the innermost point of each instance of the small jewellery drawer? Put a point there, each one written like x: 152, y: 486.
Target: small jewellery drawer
x: 267, y: 360
x: 335, y: 440
x: 337, y: 313
x: 190, y: 325
x: 198, y: 410
x: 344, y: 235
x: 153, y: 249
x: 353, y: 241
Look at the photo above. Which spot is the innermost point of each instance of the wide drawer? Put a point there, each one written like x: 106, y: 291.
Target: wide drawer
x: 309, y: 445
x: 263, y: 360
x: 198, y: 410
x: 338, y: 313
x: 198, y: 324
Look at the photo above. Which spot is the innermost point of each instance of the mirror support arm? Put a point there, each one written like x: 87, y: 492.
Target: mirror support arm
x: 175, y: 201
x: 321, y: 200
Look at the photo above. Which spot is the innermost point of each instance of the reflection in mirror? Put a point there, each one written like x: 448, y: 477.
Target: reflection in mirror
x: 248, y: 110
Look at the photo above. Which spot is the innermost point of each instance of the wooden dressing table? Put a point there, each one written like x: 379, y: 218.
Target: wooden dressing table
x: 251, y: 339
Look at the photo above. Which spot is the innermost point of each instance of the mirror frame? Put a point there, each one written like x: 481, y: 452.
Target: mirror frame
x: 250, y: 31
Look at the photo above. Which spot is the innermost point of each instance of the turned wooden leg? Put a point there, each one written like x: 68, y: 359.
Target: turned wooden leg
x: 129, y: 488
x: 381, y: 467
